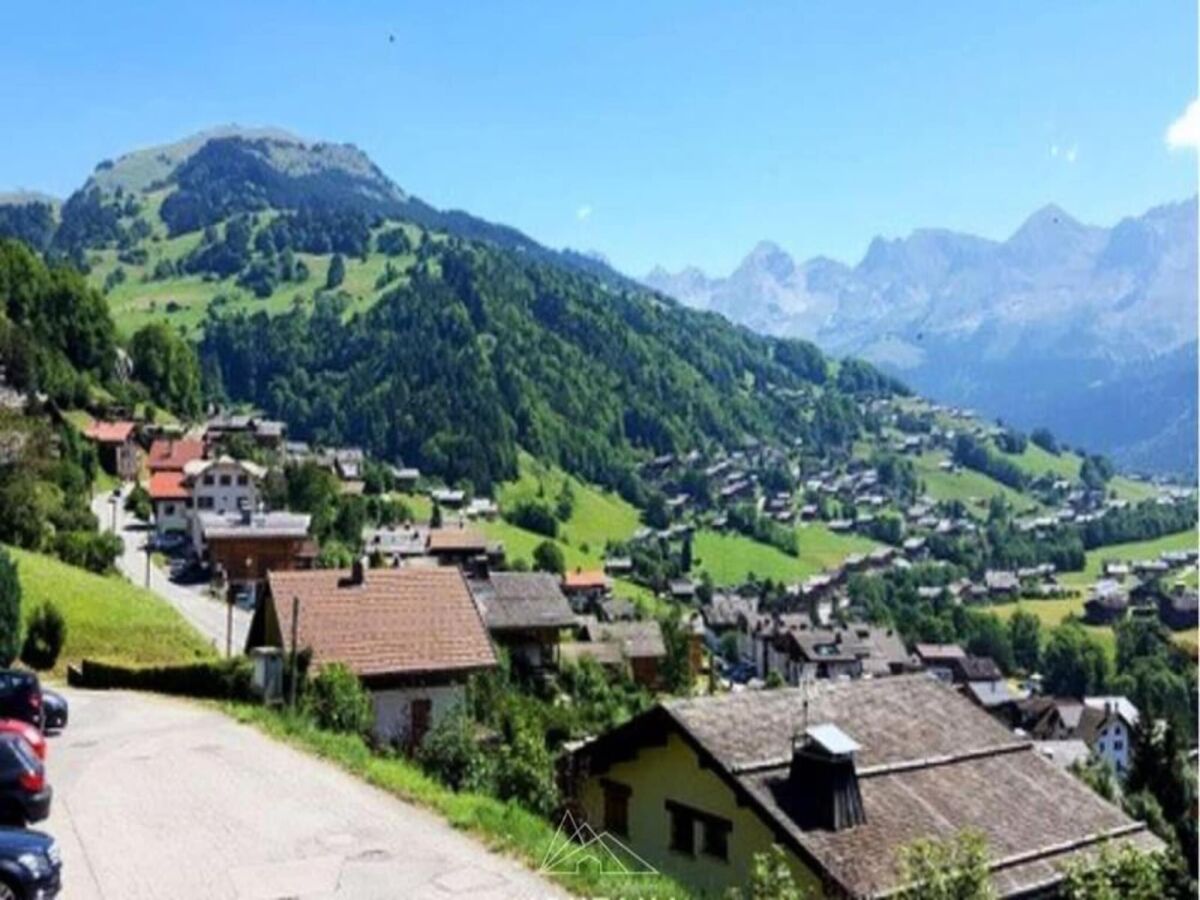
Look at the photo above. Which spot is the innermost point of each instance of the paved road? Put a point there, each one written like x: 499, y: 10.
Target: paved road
x: 160, y: 798
x: 205, y: 614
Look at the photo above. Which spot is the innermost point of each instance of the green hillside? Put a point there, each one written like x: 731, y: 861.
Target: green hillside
x: 967, y: 486
x: 731, y: 558
x: 107, y: 617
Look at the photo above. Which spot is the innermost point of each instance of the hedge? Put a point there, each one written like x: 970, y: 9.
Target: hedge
x: 219, y: 680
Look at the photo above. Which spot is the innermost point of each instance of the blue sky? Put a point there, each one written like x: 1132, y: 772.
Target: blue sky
x: 653, y: 132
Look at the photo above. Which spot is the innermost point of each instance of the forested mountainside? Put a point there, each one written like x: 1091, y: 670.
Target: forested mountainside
x: 1088, y: 330
x: 319, y: 291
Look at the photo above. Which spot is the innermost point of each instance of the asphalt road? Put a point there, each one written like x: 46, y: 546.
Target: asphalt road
x: 161, y: 798
x: 204, y: 613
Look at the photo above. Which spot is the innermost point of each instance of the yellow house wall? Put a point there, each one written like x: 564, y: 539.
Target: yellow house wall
x: 673, y: 772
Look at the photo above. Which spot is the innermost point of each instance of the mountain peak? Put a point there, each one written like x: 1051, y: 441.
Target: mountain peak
x: 768, y: 257
x: 1048, y: 222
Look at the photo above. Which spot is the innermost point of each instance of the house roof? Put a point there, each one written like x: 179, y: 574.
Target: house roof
x: 457, y: 540
x: 976, y: 668
x: 517, y: 600
x: 585, y: 580
x: 401, y: 540
x: 395, y: 622
x: 109, y: 432
x: 605, y: 654
x: 195, y: 467
x: 929, y: 764
x: 940, y: 653
x: 168, y: 454
x: 167, y: 485
x: 215, y: 526
x: 637, y: 640
x: 724, y: 609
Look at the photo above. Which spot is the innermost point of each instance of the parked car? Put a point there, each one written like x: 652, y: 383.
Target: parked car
x: 24, y: 793
x: 20, y: 696
x: 30, y: 865
x: 33, y: 736
x: 54, y: 711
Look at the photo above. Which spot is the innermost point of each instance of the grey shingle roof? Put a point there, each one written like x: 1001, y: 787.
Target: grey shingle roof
x: 515, y: 600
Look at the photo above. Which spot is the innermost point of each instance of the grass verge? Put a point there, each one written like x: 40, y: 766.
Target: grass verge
x: 503, y: 827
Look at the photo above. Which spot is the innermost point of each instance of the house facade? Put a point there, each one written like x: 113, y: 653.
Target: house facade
x: 116, y: 447
x: 842, y: 776
x: 220, y: 486
x: 413, y: 636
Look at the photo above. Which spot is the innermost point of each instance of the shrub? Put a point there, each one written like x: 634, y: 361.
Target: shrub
x: 10, y: 609
x: 45, y: 635
x: 89, y: 550
x: 227, y: 679
x: 138, y: 503
x: 525, y: 769
x: 532, y: 516
x: 452, y: 754
x: 337, y: 701
x: 548, y: 557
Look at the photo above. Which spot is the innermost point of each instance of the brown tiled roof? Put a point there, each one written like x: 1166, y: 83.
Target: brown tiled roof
x: 167, y: 486
x: 515, y: 600
x: 637, y: 640
x: 452, y: 540
x: 930, y: 764
x: 397, y: 621
x: 109, y: 432
x: 168, y: 454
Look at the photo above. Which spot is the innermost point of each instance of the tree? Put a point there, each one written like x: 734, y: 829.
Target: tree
x: 1124, y: 874
x: 45, y: 635
x: 138, y: 504
x: 337, y: 272
x: 453, y: 753
x: 548, y: 557
x: 10, y: 609
x: 955, y: 869
x: 771, y: 878
x: 1073, y: 663
x: 435, y: 515
x: 167, y: 365
x: 1025, y: 633
x: 337, y: 701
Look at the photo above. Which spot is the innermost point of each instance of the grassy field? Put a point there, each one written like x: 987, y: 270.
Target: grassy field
x: 967, y: 486
x: 1054, y: 612
x: 597, y: 517
x: 1183, y: 540
x: 107, y: 617
x: 730, y: 558
x: 1131, y: 489
x: 505, y: 828
x: 1037, y: 461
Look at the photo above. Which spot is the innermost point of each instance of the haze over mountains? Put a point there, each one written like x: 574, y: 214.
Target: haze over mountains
x: 1088, y: 330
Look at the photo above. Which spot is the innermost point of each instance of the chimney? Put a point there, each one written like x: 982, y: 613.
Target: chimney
x: 821, y: 790
x: 358, y: 570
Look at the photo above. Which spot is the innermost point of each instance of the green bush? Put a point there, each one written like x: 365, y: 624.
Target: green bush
x: 452, y: 754
x: 45, y: 634
x: 548, y: 557
x: 138, y: 504
x: 227, y: 679
x: 535, y: 517
x: 337, y: 701
x: 10, y: 609
x: 94, y: 551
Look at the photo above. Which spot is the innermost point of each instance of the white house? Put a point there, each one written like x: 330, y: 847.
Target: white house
x: 222, y: 486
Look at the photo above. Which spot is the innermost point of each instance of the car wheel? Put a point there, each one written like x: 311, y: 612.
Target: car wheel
x: 10, y: 892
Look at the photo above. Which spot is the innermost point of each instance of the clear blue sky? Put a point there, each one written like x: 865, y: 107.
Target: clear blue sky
x: 672, y: 132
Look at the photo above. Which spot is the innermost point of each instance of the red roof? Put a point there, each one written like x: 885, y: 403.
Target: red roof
x: 167, y: 486
x: 167, y: 454
x: 395, y: 622
x: 594, y: 579
x: 109, y: 432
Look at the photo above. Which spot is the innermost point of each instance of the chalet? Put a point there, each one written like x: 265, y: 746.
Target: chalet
x: 1150, y: 568
x: 396, y: 544
x: 585, y: 587
x: 635, y: 646
x: 1116, y: 570
x: 615, y: 609
x: 267, y: 433
x: 1002, y: 585
x: 116, y: 448
x: 842, y: 776
x: 244, y: 546
x: 526, y: 613
x: 451, y: 499
x: 940, y: 660
x: 800, y: 654
x: 462, y: 547
x: 1105, y: 724
x: 171, y: 501
x: 171, y: 455
x: 405, y: 477
x: 221, y: 486
x: 413, y: 636
x: 1178, y: 609
x: 618, y: 565
x: 682, y: 590
x: 721, y: 614
x: 1107, y: 604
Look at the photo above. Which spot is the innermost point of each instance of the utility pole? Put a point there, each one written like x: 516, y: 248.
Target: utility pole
x: 147, y: 565
x: 295, y: 629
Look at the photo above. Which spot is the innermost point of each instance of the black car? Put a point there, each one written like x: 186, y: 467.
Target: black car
x: 20, y: 696
x: 30, y: 865
x: 24, y: 793
x: 54, y: 711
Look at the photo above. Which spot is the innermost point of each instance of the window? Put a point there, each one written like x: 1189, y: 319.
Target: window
x: 716, y: 837
x: 226, y: 481
x: 208, y: 479
x: 204, y: 502
x: 168, y: 509
x: 683, y: 831
x: 714, y: 834
x: 243, y: 481
x: 616, y: 807
x: 1118, y: 746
